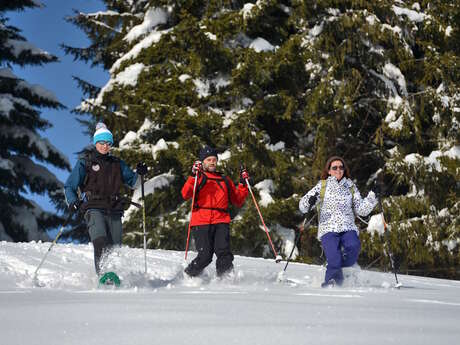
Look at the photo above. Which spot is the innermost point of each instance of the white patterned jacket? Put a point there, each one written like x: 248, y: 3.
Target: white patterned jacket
x: 336, y: 214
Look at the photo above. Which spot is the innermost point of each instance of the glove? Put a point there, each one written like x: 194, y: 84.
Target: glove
x: 141, y: 168
x: 74, y: 206
x: 312, y: 200
x: 197, y: 168
x: 244, y: 175
x: 377, y: 189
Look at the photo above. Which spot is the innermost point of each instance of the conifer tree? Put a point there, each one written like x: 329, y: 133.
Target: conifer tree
x: 279, y: 86
x: 23, y: 149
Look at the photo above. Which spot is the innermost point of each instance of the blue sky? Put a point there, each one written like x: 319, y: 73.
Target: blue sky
x: 47, y: 29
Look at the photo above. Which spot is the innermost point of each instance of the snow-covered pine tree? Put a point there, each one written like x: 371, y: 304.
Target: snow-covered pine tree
x: 22, y: 146
x: 280, y: 86
x: 420, y: 136
x: 392, y: 71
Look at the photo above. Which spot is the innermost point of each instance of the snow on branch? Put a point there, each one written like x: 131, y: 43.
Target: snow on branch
x: 6, y: 104
x: 393, y: 72
x: 132, y: 139
x: 153, y: 17
x: 38, y: 91
x: 29, y: 218
x: 104, y: 25
x: 265, y: 188
x: 146, y: 42
x: 390, y: 73
x: 7, y: 73
x: 433, y: 160
x: 18, y: 47
x: 246, y: 11
x: 43, y: 149
x: 8, y: 101
x: 6, y: 164
x: 38, y: 173
x: 412, y: 15
x: 35, y: 90
x: 127, y: 77
x: 107, y: 13
x: 261, y: 45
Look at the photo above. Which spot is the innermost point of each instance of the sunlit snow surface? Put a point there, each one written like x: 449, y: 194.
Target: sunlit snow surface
x: 254, y: 306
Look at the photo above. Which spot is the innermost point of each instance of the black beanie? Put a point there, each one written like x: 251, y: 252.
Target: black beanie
x: 206, y: 152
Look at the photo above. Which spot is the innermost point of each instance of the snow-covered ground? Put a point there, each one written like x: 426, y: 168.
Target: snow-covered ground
x: 253, y: 307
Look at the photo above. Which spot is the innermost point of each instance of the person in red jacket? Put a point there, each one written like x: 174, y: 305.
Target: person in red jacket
x: 210, y: 219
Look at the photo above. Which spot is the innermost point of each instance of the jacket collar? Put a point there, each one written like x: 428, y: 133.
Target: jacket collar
x: 345, y: 182
x: 91, y: 151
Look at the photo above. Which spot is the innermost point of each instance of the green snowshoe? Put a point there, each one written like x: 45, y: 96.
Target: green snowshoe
x: 109, y: 278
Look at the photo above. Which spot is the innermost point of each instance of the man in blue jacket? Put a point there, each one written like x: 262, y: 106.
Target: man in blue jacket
x: 99, y: 177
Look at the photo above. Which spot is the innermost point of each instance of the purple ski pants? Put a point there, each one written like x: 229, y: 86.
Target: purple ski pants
x: 341, y: 250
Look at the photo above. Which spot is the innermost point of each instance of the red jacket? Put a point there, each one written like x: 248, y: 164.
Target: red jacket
x: 213, y: 194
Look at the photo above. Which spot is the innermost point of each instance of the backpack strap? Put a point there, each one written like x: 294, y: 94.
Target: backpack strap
x: 352, y: 191
x: 225, y: 178
x: 203, y: 181
x: 88, y: 157
x: 201, y: 185
x: 322, y: 192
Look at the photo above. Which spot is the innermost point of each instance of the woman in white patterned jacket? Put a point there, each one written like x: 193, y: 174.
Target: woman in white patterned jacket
x: 337, y: 230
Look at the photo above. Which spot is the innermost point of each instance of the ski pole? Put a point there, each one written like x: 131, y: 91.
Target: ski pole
x: 191, y: 211
x: 277, y: 257
x: 53, y: 243
x: 305, y: 226
x: 386, y: 234
x: 296, y: 241
x: 143, y: 223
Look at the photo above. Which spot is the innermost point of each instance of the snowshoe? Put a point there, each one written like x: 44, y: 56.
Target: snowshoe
x: 109, y: 278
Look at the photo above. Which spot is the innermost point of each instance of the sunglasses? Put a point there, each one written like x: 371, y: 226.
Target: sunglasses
x: 338, y: 167
x: 102, y: 142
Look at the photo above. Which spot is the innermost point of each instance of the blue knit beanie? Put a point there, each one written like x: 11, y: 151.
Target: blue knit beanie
x: 102, y: 134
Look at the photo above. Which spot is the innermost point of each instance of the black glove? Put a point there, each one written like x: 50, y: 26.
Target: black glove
x: 244, y: 175
x: 197, y: 167
x: 74, y: 206
x: 312, y: 199
x: 378, y: 189
x: 141, y: 168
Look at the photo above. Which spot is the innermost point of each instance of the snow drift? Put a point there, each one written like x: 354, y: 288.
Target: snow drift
x: 251, y: 307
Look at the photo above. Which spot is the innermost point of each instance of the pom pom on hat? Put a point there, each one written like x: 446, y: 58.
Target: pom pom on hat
x: 100, y: 125
x: 102, y: 134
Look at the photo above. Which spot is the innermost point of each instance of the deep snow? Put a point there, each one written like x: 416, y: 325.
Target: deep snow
x: 252, y: 307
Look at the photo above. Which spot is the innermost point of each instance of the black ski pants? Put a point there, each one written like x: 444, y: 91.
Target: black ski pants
x: 210, y: 239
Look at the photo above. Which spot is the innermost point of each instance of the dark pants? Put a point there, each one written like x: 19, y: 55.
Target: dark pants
x: 210, y: 239
x: 105, y: 231
x: 341, y: 250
